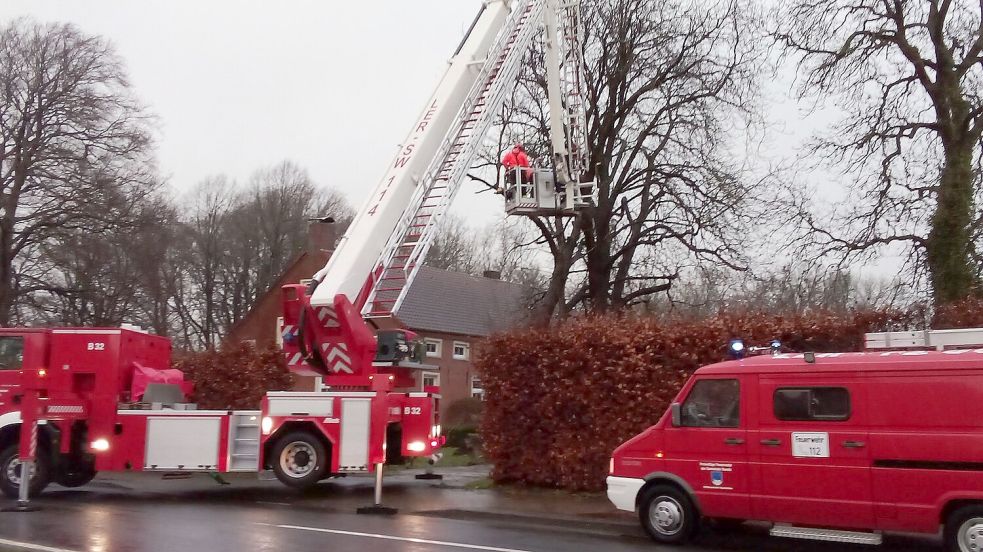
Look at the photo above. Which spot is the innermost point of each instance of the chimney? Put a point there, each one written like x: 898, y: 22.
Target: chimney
x: 321, y: 235
x: 492, y: 274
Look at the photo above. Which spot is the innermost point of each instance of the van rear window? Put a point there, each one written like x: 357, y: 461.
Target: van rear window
x: 812, y: 403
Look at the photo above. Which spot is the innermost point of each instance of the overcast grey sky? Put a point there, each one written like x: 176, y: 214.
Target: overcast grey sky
x: 242, y: 84
x: 334, y: 86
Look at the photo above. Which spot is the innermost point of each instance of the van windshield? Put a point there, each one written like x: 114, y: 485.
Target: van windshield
x: 713, y: 403
x: 11, y: 352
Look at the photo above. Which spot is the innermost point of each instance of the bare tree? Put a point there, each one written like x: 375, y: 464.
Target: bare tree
x: 794, y: 288
x: 198, y: 304
x: 267, y: 228
x: 233, y: 244
x: 73, y: 147
x: 907, y: 76
x: 667, y: 86
x: 455, y: 247
x: 106, y: 279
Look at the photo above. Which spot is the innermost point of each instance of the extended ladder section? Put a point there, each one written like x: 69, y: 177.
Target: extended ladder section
x: 572, y: 86
x: 409, y: 243
x: 562, y: 190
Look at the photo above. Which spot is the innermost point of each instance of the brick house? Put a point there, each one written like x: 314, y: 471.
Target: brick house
x: 450, y: 311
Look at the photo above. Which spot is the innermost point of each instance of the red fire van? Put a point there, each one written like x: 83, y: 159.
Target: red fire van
x: 838, y: 446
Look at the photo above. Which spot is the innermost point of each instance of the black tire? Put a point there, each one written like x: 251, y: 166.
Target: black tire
x: 299, y: 459
x: 8, y: 469
x: 668, y: 515
x: 964, y: 529
x: 75, y: 476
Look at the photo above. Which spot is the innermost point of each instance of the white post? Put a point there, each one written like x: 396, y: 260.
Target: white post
x: 378, y: 485
x: 23, y: 492
x: 377, y: 508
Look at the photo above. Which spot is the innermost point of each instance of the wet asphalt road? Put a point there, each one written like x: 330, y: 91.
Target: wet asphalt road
x: 142, y: 513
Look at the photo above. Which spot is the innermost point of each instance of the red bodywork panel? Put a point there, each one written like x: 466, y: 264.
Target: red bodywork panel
x: 69, y: 374
x: 910, y: 444
x: 91, y: 368
x: 417, y: 414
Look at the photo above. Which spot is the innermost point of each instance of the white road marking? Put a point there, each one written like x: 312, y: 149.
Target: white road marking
x: 395, y: 538
x: 32, y: 546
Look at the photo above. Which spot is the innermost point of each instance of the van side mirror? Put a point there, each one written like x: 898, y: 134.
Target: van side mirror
x: 677, y: 414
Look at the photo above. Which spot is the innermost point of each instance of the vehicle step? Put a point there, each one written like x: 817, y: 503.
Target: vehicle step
x: 830, y: 535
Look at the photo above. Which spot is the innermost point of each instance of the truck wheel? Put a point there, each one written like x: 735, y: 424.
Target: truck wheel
x: 668, y: 515
x: 299, y: 459
x: 964, y: 529
x: 75, y: 476
x: 10, y: 473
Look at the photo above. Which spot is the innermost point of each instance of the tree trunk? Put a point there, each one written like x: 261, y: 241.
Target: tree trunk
x: 554, y: 297
x: 950, y: 241
x: 598, y: 259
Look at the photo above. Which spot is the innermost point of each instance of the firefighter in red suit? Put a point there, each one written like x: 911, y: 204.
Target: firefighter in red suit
x: 516, y: 157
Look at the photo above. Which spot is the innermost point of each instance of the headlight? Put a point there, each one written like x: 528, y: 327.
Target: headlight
x: 99, y: 445
x: 266, y: 425
x: 416, y: 446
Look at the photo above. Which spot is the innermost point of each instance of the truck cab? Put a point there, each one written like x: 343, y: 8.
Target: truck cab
x: 837, y: 446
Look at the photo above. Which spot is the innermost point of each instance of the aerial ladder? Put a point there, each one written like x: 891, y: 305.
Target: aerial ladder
x: 334, y: 326
x: 342, y: 326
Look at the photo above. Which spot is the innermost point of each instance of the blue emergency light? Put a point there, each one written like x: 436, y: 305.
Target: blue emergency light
x: 737, y: 349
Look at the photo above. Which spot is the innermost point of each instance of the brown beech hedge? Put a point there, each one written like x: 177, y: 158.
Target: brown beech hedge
x: 234, y: 376
x: 559, y: 400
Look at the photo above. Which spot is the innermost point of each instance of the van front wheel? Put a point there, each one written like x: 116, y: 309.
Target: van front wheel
x: 668, y: 515
x: 964, y: 529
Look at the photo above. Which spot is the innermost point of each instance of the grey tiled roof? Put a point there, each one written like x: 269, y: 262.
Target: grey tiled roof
x: 453, y: 302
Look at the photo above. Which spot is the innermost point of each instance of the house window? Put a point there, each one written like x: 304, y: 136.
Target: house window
x: 477, y: 391
x: 430, y: 379
x: 462, y: 350
x: 433, y: 347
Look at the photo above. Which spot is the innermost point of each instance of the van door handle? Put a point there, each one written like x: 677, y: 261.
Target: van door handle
x: 771, y: 442
x: 854, y: 444
x: 733, y: 441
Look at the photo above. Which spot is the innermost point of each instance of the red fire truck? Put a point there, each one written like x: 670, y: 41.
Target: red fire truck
x: 835, y: 447
x: 75, y: 401
x: 104, y: 399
